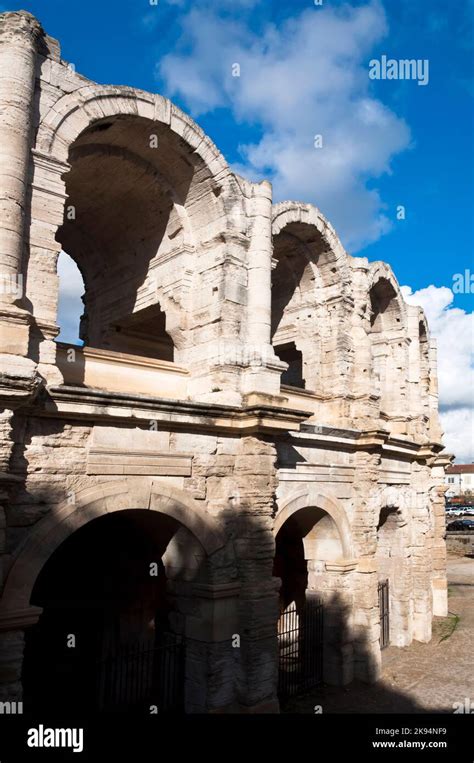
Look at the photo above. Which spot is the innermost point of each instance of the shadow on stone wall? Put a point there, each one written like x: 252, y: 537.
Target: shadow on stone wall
x: 356, y: 696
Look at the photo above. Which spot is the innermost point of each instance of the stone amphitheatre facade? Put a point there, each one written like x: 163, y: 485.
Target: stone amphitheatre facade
x: 253, y: 414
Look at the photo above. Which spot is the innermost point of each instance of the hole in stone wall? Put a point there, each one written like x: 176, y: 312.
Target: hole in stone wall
x: 70, y: 303
x: 293, y: 376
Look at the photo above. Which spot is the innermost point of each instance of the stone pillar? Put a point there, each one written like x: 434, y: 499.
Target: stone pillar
x: 48, y: 196
x: 20, y: 34
x: 11, y: 661
x: 439, y: 581
x: 254, y: 543
x: 436, y: 432
x: 414, y: 365
x: 13, y: 625
x: 367, y: 654
x: 264, y: 371
x: 259, y: 286
x: 332, y: 583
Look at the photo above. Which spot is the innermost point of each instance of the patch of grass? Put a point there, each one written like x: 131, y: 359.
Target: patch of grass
x: 447, y: 627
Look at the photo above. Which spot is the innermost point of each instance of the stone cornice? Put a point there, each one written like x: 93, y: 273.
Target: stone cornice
x: 342, y: 565
x: 19, y: 388
x: 50, y: 162
x: 442, y: 459
x: 373, y: 441
x: 67, y: 401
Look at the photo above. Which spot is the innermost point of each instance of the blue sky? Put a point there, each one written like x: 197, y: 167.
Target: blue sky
x: 304, y: 71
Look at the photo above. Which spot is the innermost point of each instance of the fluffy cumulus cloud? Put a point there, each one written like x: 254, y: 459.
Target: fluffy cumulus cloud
x: 70, y: 308
x: 305, y: 78
x: 453, y: 329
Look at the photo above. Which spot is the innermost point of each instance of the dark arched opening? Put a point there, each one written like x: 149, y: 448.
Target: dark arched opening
x: 104, y: 641
x: 123, y: 224
x: 313, y: 615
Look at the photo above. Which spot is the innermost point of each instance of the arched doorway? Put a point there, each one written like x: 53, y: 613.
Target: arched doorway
x: 388, y: 346
x: 394, y: 566
x: 109, y: 638
x: 314, y: 607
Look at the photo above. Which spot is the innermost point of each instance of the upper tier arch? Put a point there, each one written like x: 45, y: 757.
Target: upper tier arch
x: 76, y: 111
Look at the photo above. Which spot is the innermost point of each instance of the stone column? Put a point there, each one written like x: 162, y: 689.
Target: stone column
x: 20, y: 34
x: 265, y: 368
x: 259, y: 301
x: 414, y: 365
x: 439, y: 582
x: 435, y: 433
x: 254, y: 544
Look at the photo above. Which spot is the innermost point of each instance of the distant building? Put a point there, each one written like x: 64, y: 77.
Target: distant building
x: 460, y: 480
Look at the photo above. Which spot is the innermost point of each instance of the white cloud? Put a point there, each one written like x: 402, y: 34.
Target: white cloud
x: 70, y: 308
x: 453, y: 329
x: 307, y: 77
x: 458, y: 426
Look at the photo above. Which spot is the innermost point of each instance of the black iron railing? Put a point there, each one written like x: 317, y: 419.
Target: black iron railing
x: 384, y: 606
x: 139, y: 676
x: 300, y: 640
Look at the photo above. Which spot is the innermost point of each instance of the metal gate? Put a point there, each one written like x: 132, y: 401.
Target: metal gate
x: 140, y: 675
x: 384, y: 606
x: 300, y: 641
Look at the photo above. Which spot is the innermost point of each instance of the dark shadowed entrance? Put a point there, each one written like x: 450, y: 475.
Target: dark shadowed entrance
x: 104, y: 641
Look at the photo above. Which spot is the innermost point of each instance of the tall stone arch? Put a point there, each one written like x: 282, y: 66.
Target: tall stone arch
x: 311, y: 297
x: 89, y: 504
x: 316, y: 525
x: 204, y: 217
x: 389, y: 339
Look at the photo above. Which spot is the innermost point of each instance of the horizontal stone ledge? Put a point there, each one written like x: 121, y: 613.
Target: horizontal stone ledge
x: 217, y: 591
x: 379, y: 441
x: 17, y: 619
x: 91, y: 403
x: 342, y: 565
x: 130, y: 462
